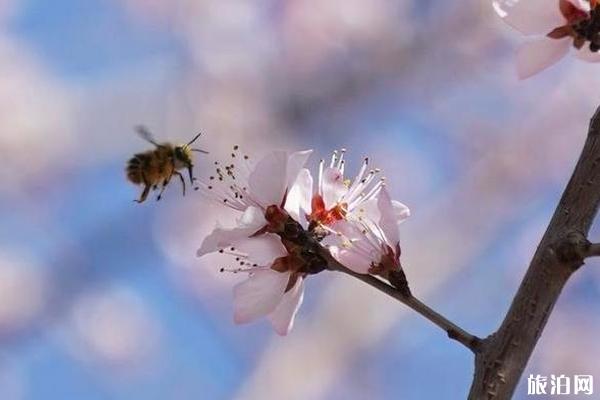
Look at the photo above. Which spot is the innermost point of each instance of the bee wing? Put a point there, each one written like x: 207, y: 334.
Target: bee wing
x: 145, y: 134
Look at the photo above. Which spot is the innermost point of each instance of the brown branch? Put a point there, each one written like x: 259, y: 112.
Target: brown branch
x: 405, y: 297
x: 502, y: 357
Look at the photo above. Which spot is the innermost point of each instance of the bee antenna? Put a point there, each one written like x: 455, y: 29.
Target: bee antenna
x: 194, y: 139
x: 200, y: 151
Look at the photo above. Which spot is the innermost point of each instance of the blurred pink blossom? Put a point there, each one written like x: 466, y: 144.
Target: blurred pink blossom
x: 113, y: 328
x: 565, y: 24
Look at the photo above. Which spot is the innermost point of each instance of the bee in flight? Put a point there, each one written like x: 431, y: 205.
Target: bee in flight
x: 156, y: 167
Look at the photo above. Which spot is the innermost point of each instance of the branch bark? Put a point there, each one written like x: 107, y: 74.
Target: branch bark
x: 502, y: 357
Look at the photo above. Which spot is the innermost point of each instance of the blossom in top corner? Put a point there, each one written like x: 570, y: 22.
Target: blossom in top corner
x: 560, y: 25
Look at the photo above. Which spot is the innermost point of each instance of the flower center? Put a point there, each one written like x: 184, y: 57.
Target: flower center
x: 321, y: 215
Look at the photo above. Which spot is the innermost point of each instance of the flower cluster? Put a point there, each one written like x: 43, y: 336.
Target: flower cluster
x: 559, y: 25
x: 285, y: 223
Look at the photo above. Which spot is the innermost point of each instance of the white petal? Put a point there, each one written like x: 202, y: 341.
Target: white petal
x: 388, y: 221
x: 333, y: 186
x: 262, y: 249
x: 300, y: 194
x: 346, y: 229
x: 360, y: 255
x: 268, y: 180
x: 282, y: 319
x: 253, y: 217
x: 582, y: 5
x: 220, y: 238
x: 530, y: 17
x: 356, y: 261
x: 295, y: 163
x: 536, y: 55
x: 586, y: 55
x: 258, y: 295
x: 401, y: 211
x: 368, y: 210
x: 250, y: 222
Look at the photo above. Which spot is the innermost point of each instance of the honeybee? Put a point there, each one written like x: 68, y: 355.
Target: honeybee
x: 156, y: 167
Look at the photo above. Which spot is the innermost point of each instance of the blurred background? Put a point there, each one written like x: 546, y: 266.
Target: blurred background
x: 102, y: 298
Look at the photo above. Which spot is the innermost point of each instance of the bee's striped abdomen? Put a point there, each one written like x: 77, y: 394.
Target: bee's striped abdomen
x: 135, y: 167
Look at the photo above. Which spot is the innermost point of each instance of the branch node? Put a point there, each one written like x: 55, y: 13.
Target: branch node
x: 398, y: 280
x: 572, y: 249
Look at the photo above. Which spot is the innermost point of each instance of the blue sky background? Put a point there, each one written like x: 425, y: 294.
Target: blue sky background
x: 449, y: 123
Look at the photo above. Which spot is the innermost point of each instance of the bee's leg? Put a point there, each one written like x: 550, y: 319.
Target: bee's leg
x: 147, y: 187
x: 144, y: 193
x: 192, y: 179
x: 164, y: 186
x: 182, y: 180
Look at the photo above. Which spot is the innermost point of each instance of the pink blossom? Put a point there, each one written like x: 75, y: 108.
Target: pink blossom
x: 338, y: 198
x: 264, y: 242
x: 560, y: 25
x: 369, y: 246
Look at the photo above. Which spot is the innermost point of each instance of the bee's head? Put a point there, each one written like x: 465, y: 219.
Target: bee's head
x: 183, y: 157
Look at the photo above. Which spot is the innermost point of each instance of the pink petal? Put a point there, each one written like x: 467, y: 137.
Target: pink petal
x: 258, y: 295
x: 333, y: 186
x: 282, y: 319
x: 299, y: 196
x: 262, y: 249
x: 536, y: 55
x: 530, y: 17
x: 295, y: 163
x: 251, y: 221
x: 586, y: 55
x: 401, y: 211
x: 268, y: 180
x: 388, y: 221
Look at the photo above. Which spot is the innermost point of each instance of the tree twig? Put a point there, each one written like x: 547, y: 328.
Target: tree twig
x: 503, y: 356
x: 452, y: 330
x: 593, y: 250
